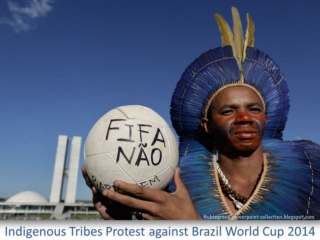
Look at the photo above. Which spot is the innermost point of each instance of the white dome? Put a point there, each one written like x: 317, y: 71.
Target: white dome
x: 27, y: 197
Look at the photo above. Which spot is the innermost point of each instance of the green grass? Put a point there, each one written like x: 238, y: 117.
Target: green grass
x: 42, y: 216
x: 84, y: 216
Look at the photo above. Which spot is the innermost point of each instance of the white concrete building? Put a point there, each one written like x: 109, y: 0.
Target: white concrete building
x: 32, y: 205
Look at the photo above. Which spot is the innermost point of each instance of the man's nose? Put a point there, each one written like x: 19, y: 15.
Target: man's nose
x: 243, y: 117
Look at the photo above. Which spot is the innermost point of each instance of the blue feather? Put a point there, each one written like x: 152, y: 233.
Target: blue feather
x: 292, y: 185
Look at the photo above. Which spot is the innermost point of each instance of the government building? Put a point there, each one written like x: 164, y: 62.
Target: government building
x: 30, y: 205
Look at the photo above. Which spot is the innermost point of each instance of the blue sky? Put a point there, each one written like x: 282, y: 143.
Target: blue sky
x: 64, y: 64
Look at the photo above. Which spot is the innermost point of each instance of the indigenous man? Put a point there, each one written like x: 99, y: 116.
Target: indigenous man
x: 231, y: 102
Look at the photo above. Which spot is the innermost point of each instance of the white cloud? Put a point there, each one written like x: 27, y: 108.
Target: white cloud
x: 22, y: 19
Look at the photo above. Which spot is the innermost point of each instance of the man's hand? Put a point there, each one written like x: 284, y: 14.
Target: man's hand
x: 156, y: 204
x: 107, y: 209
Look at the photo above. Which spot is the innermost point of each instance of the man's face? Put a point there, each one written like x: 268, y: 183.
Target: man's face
x: 236, y: 119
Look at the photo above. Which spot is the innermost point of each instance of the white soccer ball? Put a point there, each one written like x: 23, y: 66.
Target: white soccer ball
x: 131, y: 143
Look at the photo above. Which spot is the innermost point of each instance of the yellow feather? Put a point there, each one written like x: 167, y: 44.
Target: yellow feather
x: 249, y: 34
x: 235, y: 39
x: 225, y: 31
x: 238, y: 36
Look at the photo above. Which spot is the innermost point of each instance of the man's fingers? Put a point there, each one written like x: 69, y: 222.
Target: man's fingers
x: 138, y: 191
x: 178, y: 181
x: 128, y: 200
x: 95, y: 195
x: 85, y: 176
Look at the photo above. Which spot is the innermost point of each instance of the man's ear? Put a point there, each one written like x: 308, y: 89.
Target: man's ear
x: 204, y: 124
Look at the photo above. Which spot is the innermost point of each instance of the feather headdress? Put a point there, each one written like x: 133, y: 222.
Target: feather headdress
x: 294, y: 166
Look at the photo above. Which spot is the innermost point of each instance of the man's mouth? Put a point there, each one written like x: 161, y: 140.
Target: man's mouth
x: 245, y: 133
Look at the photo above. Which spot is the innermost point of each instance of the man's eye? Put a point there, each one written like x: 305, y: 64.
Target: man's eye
x: 255, y: 110
x: 226, y: 112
